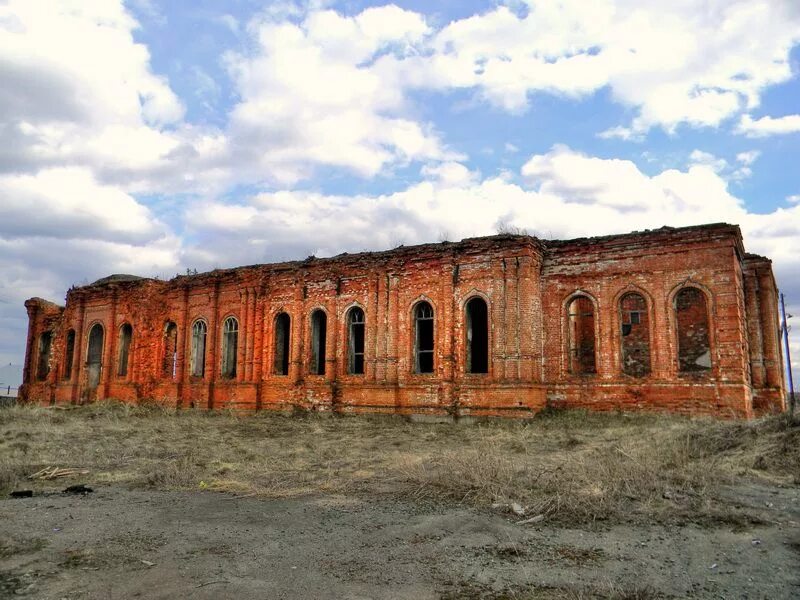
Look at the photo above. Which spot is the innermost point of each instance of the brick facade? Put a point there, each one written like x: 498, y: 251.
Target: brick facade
x: 602, y: 323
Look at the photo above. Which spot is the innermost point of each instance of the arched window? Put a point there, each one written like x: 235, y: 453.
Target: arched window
x: 94, y: 356
x: 423, y: 338
x: 198, y: 357
x: 43, y: 366
x: 580, y: 313
x: 355, y: 341
x: 230, y: 344
x: 477, y: 336
x: 69, y: 354
x: 169, y: 368
x: 691, y: 315
x: 125, y: 335
x: 635, y: 325
x: 319, y: 325
x: 282, y: 338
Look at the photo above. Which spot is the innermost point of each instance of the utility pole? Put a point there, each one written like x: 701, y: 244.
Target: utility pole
x: 785, y: 329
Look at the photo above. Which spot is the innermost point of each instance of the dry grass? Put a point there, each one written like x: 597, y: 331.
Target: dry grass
x: 572, y: 467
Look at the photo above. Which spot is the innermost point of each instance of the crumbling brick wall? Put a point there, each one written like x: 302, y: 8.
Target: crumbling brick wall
x: 551, y: 323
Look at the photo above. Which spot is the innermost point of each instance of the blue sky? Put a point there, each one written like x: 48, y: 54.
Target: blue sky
x: 153, y: 136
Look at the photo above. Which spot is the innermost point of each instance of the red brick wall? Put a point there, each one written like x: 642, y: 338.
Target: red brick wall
x: 527, y: 285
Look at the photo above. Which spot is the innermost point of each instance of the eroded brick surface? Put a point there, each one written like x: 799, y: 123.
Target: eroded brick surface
x: 602, y: 323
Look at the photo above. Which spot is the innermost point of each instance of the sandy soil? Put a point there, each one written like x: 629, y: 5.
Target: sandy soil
x: 117, y: 543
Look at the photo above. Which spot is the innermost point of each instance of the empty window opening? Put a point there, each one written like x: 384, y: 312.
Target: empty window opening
x: 45, y: 344
x: 94, y: 356
x: 319, y: 325
x: 694, y: 349
x: 69, y: 354
x: 230, y: 345
x: 477, y: 336
x: 635, y: 347
x: 169, y: 368
x: 282, y: 337
x: 355, y: 341
x: 581, y: 336
x: 198, y: 357
x: 423, y: 346
x: 125, y: 336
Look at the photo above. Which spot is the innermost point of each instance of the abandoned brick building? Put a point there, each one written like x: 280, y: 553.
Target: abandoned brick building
x: 673, y: 319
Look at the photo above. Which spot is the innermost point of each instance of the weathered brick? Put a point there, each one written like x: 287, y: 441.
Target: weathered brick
x: 528, y: 286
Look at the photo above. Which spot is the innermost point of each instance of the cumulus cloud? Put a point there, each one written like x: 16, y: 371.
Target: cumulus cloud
x: 313, y: 93
x: 766, y: 126
x: 562, y: 193
x: 671, y: 62
x: 55, y: 78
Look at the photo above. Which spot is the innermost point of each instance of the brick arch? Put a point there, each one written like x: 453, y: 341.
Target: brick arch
x: 466, y: 299
x: 193, y: 367
x: 565, y: 332
x: 421, y: 298
x: 316, y: 358
x: 88, y: 330
x: 616, y: 324
x: 124, y: 358
x: 284, y: 368
x: 229, y: 347
x: 350, y: 306
x: 708, y: 296
x: 462, y: 303
x: 412, y: 340
x: 350, y: 365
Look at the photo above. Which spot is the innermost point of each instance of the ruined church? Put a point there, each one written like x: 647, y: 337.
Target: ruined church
x: 673, y: 319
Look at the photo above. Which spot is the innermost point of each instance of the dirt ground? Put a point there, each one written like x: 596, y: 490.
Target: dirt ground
x: 635, y: 508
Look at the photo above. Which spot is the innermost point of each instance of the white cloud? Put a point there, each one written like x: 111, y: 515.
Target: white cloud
x: 77, y: 90
x: 313, y: 94
x: 766, y: 126
x: 674, y: 62
x: 566, y: 194
x: 69, y: 203
x: 698, y: 157
x: 749, y: 157
x: 450, y: 174
x: 794, y: 198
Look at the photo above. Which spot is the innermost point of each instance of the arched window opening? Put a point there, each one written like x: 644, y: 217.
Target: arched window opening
x: 169, y: 368
x: 230, y: 345
x: 69, y: 354
x: 282, y: 338
x: 423, y: 338
x: 319, y: 325
x: 125, y: 336
x: 198, y: 357
x: 94, y: 356
x: 580, y: 313
x: 477, y: 336
x: 45, y: 345
x: 635, y: 324
x: 694, y: 348
x: 355, y: 341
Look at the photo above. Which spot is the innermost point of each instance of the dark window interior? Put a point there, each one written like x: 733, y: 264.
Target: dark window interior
x: 424, y: 338
x: 281, y: 363
x: 319, y: 325
x: 477, y: 336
